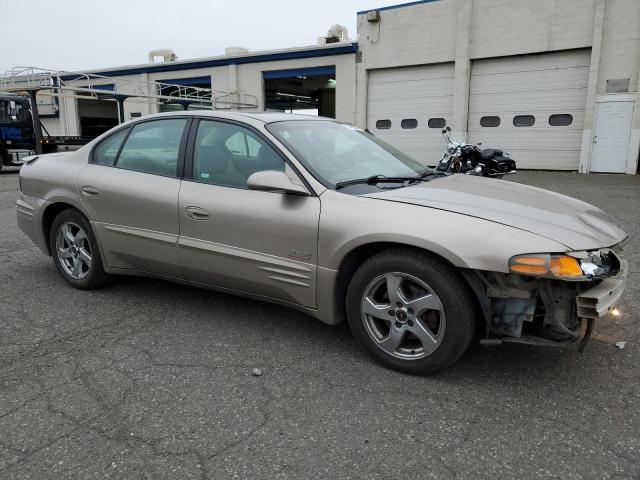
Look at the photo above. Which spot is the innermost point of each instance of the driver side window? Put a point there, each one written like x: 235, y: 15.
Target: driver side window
x: 227, y: 154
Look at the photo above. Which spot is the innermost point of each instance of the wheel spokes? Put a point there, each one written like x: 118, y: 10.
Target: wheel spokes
x: 80, y: 237
x: 423, y: 333
x: 84, y: 257
x: 77, y: 267
x: 425, y: 302
x: 392, y: 341
x: 370, y: 307
x: 394, y: 288
x: 67, y: 235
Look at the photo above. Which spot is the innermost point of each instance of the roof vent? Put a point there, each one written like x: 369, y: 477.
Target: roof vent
x: 337, y: 33
x: 235, y: 50
x: 167, y: 55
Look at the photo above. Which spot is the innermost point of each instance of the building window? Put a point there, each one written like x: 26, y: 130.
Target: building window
x: 490, y: 121
x: 383, y: 124
x: 409, y: 123
x: 560, y: 120
x: 437, y: 123
x: 524, y: 120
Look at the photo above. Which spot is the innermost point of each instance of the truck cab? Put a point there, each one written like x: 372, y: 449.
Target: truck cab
x: 16, y: 130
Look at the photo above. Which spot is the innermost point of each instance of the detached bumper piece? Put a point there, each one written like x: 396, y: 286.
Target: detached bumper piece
x: 597, y: 301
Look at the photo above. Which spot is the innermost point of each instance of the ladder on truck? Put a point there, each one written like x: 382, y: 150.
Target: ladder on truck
x: 32, y: 81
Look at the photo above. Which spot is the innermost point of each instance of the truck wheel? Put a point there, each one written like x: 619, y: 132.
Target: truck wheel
x: 411, y: 311
x: 75, y: 251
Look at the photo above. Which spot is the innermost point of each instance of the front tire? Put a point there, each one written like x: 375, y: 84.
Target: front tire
x: 411, y: 311
x: 75, y: 251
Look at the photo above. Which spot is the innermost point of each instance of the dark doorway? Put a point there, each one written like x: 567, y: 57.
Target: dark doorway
x: 310, y: 91
x: 96, y: 116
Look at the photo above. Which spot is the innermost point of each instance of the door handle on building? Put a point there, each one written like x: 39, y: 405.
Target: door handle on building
x: 196, y: 213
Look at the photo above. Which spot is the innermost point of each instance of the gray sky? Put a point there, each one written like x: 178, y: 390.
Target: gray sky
x: 84, y: 34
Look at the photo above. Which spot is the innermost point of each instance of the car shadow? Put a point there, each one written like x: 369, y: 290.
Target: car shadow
x: 505, y: 363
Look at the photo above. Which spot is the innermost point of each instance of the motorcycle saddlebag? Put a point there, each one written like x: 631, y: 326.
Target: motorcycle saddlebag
x: 501, y: 164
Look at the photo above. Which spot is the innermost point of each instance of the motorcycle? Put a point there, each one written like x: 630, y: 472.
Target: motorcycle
x: 471, y: 160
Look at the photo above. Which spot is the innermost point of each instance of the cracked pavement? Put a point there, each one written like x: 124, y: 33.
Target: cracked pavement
x: 152, y: 380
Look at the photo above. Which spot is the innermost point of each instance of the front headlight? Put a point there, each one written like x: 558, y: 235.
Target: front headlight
x: 562, y: 267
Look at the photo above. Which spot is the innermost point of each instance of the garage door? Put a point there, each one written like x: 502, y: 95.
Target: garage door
x: 532, y: 106
x: 407, y: 107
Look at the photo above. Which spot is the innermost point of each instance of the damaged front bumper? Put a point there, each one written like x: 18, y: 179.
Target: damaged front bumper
x: 542, y: 311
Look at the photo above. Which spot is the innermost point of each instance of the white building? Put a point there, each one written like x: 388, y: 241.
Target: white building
x: 554, y: 82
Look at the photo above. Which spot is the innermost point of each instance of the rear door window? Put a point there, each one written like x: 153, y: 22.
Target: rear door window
x: 107, y: 151
x: 153, y: 147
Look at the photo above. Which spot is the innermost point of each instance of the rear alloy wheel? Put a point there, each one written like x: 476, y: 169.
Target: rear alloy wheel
x: 75, y: 251
x: 411, y: 311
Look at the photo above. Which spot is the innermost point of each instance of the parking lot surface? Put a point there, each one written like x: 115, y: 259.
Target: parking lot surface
x: 148, y: 379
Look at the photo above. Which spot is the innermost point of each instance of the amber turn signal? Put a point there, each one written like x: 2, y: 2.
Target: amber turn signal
x: 563, y: 267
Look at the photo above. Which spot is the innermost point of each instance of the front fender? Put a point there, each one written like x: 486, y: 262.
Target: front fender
x: 348, y: 222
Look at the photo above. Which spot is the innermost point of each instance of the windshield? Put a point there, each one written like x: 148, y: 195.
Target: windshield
x: 19, y: 115
x: 338, y: 153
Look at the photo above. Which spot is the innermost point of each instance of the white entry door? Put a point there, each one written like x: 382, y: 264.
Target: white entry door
x: 611, y: 137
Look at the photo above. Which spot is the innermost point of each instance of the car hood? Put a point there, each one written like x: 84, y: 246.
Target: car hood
x: 576, y: 224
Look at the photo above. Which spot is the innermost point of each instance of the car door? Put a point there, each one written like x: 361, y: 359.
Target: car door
x: 263, y: 243
x: 130, y: 190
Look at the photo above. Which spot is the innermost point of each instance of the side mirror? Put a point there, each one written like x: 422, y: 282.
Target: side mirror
x: 275, y: 181
x: 447, y: 128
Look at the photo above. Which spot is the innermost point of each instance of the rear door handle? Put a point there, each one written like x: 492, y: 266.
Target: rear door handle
x: 89, y: 191
x: 196, y: 213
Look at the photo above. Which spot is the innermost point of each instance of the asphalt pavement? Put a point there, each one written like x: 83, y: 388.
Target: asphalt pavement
x: 148, y: 379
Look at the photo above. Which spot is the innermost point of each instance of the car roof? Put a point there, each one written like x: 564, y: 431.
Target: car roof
x: 266, y: 117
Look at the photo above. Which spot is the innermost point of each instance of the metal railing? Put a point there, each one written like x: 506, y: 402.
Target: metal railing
x: 59, y: 83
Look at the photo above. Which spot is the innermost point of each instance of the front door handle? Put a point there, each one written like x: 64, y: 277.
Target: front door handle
x: 89, y: 191
x: 196, y: 213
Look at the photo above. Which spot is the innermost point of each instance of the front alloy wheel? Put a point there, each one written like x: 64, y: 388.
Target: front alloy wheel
x: 403, y: 315
x: 411, y: 310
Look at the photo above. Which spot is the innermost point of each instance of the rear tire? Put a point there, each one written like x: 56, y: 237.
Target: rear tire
x: 411, y: 311
x: 75, y: 251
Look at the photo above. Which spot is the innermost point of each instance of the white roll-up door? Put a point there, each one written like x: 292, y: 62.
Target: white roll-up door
x: 402, y: 103
x: 539, y: 102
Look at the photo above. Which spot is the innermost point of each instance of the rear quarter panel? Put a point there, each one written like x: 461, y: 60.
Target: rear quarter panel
x: 53, y: 177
